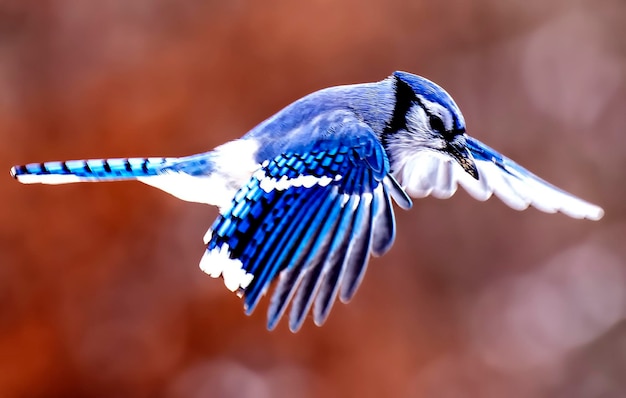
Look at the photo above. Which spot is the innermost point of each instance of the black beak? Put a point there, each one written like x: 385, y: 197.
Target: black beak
x: 458, y: 150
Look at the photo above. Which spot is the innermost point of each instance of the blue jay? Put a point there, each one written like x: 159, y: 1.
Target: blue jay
x: 305, y: 196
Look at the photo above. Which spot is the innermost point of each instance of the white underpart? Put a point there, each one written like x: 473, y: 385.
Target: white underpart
x: 217, y: 263
x: 234, y: 166
x: 270, y: 184
x: 212, y: 190
x: 437, y: 174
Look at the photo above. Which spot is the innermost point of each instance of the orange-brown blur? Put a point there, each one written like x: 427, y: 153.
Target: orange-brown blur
x: 100, y: 291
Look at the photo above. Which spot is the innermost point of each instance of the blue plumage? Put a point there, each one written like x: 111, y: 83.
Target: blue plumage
x: 96, y: 169
x: 306, y: 196
x: 296, y: 216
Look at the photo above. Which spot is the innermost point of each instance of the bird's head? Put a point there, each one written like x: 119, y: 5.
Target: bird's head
x: 426, y: 118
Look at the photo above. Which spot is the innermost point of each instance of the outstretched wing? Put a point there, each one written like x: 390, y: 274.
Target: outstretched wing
x: 433, y: 173
x: 307, y: 219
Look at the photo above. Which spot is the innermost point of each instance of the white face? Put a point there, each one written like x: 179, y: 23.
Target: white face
x: 421, y: 129
x: 441, y: 112
x: 429, y: 127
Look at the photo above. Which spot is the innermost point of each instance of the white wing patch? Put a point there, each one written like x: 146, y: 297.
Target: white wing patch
x: 217, y: 262
x: 307, y: 181
x: 437, y: 174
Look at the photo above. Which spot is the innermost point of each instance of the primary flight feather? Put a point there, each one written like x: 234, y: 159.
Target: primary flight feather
x: 305, y: 196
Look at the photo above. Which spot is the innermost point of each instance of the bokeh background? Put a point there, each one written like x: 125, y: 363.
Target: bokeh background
x: 100, y: 291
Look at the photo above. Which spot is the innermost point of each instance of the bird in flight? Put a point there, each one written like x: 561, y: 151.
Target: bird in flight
x: 305, y: 196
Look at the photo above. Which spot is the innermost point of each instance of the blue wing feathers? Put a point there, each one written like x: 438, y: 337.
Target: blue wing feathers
x: 397, y: 193
x: 314, y: 264
x: 288, y: 282
x: 293, y: 247
x: 358, y: 250
x: 335, y: 265
x: 277, y: 235
x: 383, y: 233
x: 485, y: 153
x: 291, y: 259
x: 302, y: 263
x: 306, y: 221
x: 481, y: 151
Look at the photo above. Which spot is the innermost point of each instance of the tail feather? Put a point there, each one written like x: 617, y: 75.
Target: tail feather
x: 89, y: 170
x: 211, y: 177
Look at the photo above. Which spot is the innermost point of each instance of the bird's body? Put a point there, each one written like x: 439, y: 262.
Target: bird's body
x: 304, y: 197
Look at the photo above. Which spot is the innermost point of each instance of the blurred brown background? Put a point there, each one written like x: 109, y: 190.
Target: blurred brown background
x: 99, y: 283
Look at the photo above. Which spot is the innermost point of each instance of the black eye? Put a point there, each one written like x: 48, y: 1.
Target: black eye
x: 437, y: 124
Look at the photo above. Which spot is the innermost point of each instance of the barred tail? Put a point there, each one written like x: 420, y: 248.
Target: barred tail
x: 88, y: 170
